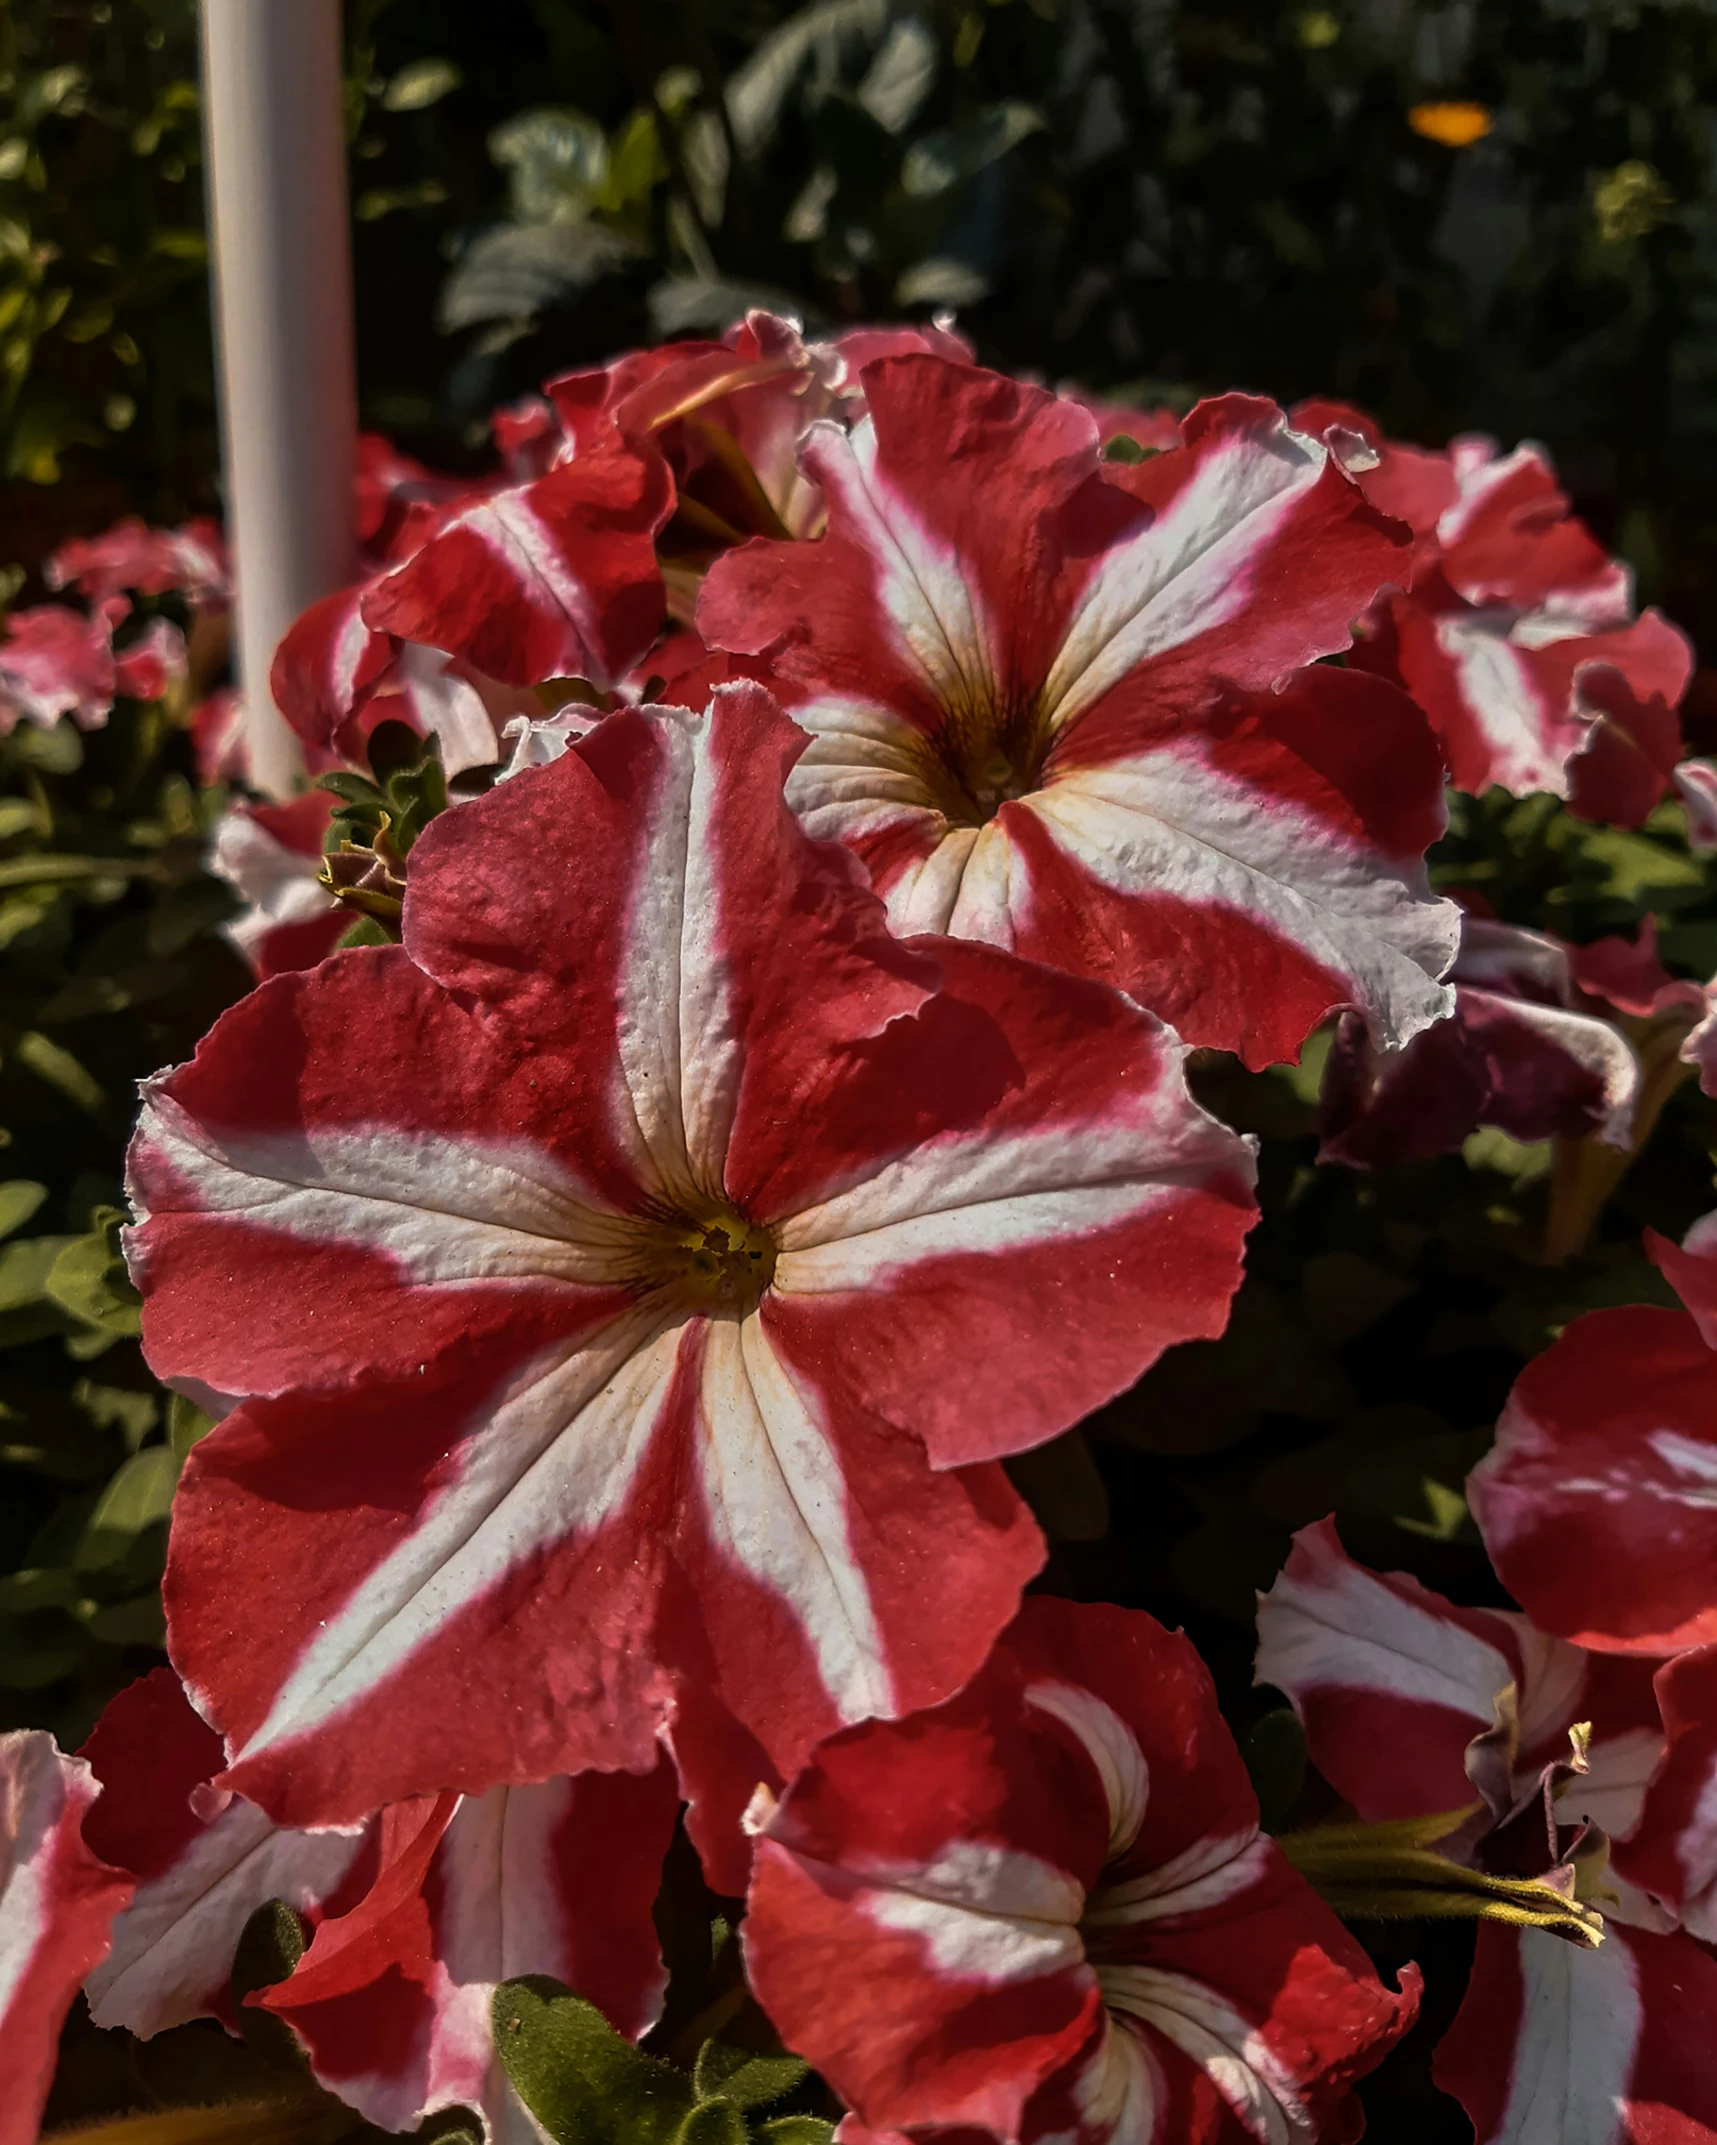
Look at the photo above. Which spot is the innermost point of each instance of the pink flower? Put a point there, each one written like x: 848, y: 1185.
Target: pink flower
x: 1037, y: 689
x: 191, y: 561
x: 647, y: 1263
x: 1596, y: 1502
x: 1517, y: 635
x: 415, y: 1914
x: 1045, y: 1910
x: 54, y: 661
x: 271, y: 856
x: 57, y: 1903
x: 1415, y: 1708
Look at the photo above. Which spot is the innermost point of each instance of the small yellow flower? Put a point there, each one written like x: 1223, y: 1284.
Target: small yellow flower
x: 1456, y: 126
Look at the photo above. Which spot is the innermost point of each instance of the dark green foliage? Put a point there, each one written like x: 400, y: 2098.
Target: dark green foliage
x: 110, y: 966
x: 587, y: 2085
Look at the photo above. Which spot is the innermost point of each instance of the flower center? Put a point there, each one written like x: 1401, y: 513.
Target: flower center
x: 985, y: 760
x: 721, y: 1266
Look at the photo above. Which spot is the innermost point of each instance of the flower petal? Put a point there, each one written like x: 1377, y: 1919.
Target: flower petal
x: 1555, y: 2045
x: 1598, y: 1502
x: 57, y: 1903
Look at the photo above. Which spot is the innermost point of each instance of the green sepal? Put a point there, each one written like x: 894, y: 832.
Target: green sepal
x: 366, y: 931
x: 1125, y: 448
x: 270, y: 1946
x: 585, y: 2083
x: 354, y: 790
x: 749, y: 2081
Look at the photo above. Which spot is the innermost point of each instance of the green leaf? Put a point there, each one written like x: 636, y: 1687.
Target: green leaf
x: 89, y: 1280
x: 62, y: 1071
x: 713, y: 2122
x: 139, y: 1622
x: 186, y: 1423
x: 748, y: 2080
x: 23, y: 1593
x: 139, y: 1496
x: 25, y: 1267
x: 18, y: 1201
x: 584, y: 2082
x: 795, y: 2130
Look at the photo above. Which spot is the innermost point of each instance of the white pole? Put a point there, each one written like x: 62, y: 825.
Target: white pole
x: 283, y: 303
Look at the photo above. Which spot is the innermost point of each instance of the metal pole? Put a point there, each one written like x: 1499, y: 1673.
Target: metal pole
x: 283, y: 306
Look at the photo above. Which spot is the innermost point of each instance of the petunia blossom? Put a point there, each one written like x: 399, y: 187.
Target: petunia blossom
x: 1415, y: 1708
x: 1517, y: 633
x: 57, y: 1903
x: 191, y: 561
x: 413, y: 1916
x: 647, y: 1263
x: 619, y: 486
x: 55, y: 661
x: 1037, y: 686
x: 271, y: 857
x: 1044, y: 1910
x: 1525, y: 1050
x: 1597, y: 1500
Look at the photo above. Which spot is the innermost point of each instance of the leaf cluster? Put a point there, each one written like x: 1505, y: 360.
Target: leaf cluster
x: 110, y: 966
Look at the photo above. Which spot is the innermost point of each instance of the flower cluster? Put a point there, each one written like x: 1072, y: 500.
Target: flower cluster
x: 789, y: 829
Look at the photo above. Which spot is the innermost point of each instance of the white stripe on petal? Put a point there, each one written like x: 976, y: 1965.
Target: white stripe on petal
x: 508, y: 525
x: 986, y: 1912
x: 1114, y: 1750
x: 980, y: 1192
x: 1121, y: 2093
x: 1348, y: 1631
x: 1580, y: 2023
x: 554, y: 1459
x: 33, y: 1788
x: 173, y: 1945
x: 1529, y: 742
x: 679, y: 1053
x: 921, y: 585
x: 1184, y: 574
x: 1206, y: 1874
x: 444, y: 1210
x: 1169, y: 824
x: 776, y: 1501
x: 998, y: 1224
x: 1257, y: 2085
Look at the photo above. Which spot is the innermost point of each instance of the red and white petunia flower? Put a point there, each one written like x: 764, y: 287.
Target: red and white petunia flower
x: 1527, y: 1050
x: 191, y: 561
x: 1416, y: 1708
x: 1517, y: 635
x: 1598, y: 1502
x: 271, y: 856
x: 621, y: 485
x: 648, y: 1261
x: 416, y: 1914
x: 1045, y: 1910
x: 57, y: 1903
x: 202, y: 1861
x: 1037, y: 689
x: 55, y: 661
